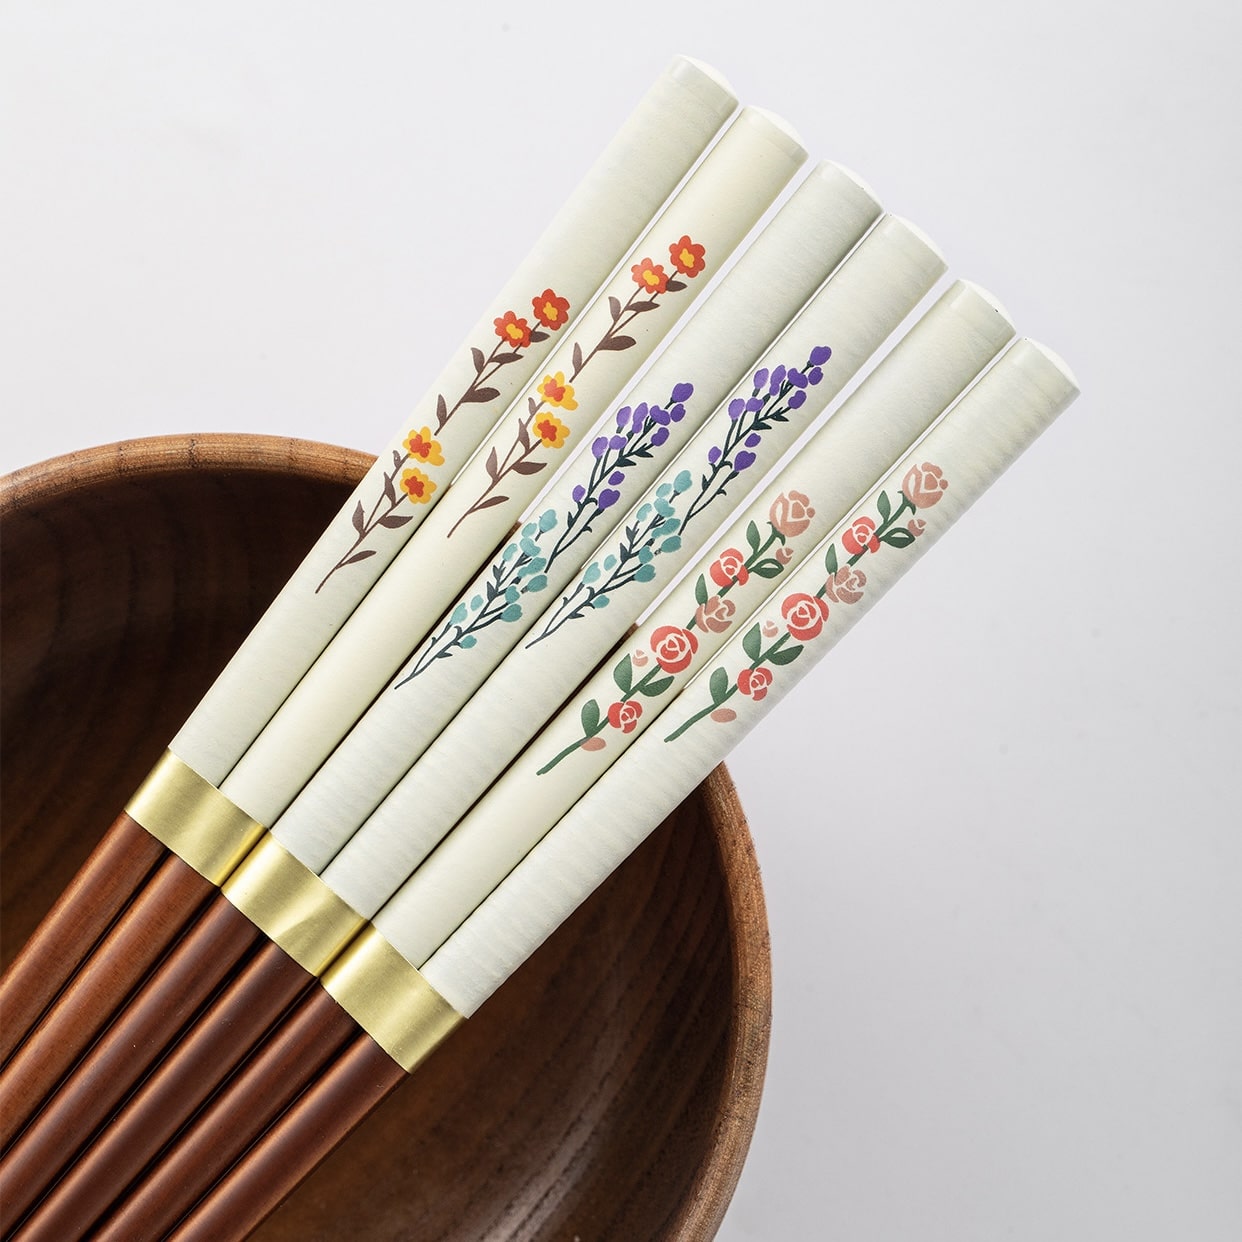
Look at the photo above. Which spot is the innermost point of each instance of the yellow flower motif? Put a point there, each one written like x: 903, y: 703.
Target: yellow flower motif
x: 417, y: 486
x: 551, y: 430
x: 420, y: 444
x: 555, y: 391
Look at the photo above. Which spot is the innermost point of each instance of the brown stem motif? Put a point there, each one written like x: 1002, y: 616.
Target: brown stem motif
x: 541, y: 426
x: 415, y: 485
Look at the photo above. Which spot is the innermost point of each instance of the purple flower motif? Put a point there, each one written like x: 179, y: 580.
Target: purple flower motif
x: 579, y: 494
x: 617, y: 478
x: 796, y: 378
x: 796, y: 398
x: 742, y: 460
x: 623, y: 415
x: 677, y: 413
x: 608, y: 497
x: 754, y: 404
x: 819, y: 355
x: 778, y: 378
x: 658, y: 436
x: 761, y: 377
x: 753, y: 440
x: 737, y: 407
x: 815, y: 375
x: 713, y: 455
x: 659, y: 416
x: 683, y: 392
x: 617, y: 442
x: 599, y: 447
x: 640, y: 416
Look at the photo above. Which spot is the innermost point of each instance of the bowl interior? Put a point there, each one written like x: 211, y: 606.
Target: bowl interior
x: 609, y: 1090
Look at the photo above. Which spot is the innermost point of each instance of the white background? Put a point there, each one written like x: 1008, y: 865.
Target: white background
x: 999, y: 826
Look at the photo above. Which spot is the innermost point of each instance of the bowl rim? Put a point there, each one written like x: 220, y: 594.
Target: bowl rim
x: 702, y: 1210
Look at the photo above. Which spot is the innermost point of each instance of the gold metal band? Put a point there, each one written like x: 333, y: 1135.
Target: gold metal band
x: 193, y: 818
x: 390, y: 1000
x: 292, y: 905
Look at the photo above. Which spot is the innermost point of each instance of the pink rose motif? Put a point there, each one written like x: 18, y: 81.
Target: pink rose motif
x: 716, y: 615
x: 916, y: 526
x: 861, y: 537
x: 770, y: 629
x: 639, y: 658
x: 791, y: 513
x: 674, y: 647
x: 784, y: 555
x: 924, y: 485
x: 624, y: 715
x: 754, y: 682
x: 846, y: 585
x: 804, y: 615
x: 729, y: 567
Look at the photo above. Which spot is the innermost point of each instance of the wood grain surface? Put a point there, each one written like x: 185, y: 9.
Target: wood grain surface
x: 610, y: 1089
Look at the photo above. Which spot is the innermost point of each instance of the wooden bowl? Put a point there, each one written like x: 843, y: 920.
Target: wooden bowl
x: 609, y: 1090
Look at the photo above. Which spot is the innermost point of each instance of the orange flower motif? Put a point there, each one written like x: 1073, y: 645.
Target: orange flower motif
x: 550, y: 310
x: 419, y: 444
x: 650, y: 277
x: 555, y: 391
x: 417, y: 486
x: 512, y: 330
x: 551, y: 431
x: 687, y: 256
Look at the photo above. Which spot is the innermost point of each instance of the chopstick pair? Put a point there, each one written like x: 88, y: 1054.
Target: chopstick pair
x: 912, y: 386
x: 765, y: 656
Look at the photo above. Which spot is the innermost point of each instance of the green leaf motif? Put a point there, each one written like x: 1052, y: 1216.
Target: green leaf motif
x: 830, y: 559
x: 784, y: 655
x: 700, y: 590
x: 752, y: 642
x: 752, y: 536
x: 653, y: 689
x: 898, y: 538
x: 623, y: 675
x: 589, y: 717
x: 884, y: 506
x: 718, y: 685
x: 767, y: 568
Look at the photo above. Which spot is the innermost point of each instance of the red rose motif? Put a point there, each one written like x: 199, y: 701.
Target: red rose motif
x: 649, y: 277
x: 550, y: 310
x: 512, y: 330
x: 754, y: 682
x: 624, y: 715
x: 804, y: 615
x: 791, y: 513
x: 924, y: 485
x: 861, y: 537
x: 715, y: 616
x: 846, y: 585
x: 687, y: 256
x: 674, y: 647
x: 729, y: 567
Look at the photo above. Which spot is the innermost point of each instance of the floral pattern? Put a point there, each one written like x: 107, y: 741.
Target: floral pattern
x: 770, y: 645
x: 660, y: 526
x: 558, y: 390
x: 521, y: 569
x: 673, y: 647
x: 400, y: 485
